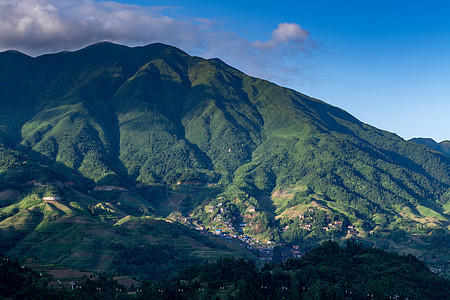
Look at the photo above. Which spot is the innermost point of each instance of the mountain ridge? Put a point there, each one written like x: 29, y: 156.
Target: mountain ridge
x: 183, y: 134
x: 443, y: 147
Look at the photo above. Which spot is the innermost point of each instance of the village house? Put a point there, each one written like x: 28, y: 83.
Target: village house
x: 189, y: 182
x: 51, y: 199
x: 295, y: 251
x: 352, y: 231
x: 436, y: 270
x: 109, y: 188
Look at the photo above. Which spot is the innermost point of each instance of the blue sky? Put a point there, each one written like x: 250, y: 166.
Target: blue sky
x: 385, y: 62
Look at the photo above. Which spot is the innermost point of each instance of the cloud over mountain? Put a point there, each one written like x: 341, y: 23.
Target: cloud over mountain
x: 41, y: 26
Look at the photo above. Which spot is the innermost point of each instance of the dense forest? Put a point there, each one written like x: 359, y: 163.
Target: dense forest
x: 326, y: 272
x: 20, y: 282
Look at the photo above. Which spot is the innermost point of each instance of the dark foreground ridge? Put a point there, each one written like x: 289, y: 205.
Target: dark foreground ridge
x: 327, y: 272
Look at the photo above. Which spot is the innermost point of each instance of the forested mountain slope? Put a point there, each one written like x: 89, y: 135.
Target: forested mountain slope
x: 146, y: 118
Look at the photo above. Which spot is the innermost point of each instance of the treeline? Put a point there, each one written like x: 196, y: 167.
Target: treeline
x: 20, y: 282
x: 327, y: 272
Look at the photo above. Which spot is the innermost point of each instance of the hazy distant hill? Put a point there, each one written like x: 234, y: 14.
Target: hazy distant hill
x: 443, y: 146
x: 144, y: 119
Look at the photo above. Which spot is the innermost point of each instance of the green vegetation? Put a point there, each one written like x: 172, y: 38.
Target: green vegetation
x: 327, y: 272
x: 152, y: 132
x: 20, y: 282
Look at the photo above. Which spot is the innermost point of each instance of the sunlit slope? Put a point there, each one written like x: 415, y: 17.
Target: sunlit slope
x: 115, y: 115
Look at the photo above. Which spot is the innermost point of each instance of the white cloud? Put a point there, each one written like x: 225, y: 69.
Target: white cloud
x: 42, y: 26
x: 286, y: 58
x: 286, y: 33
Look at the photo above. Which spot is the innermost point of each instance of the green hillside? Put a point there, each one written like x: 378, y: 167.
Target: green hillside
x: 151, y: 131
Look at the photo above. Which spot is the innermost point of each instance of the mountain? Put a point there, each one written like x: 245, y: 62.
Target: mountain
x: 125, y: 135
x: 443, y: 147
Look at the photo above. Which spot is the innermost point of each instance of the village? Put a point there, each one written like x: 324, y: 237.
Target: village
x: 231, y: 227
x: 265, y: 251
x: 221, y: 218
